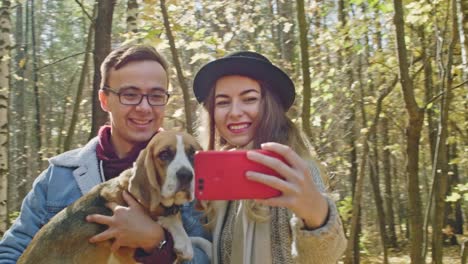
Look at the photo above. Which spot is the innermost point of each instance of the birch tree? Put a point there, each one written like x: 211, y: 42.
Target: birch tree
x: 5, y: 46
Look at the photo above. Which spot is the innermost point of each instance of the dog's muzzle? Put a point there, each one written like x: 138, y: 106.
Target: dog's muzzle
x: 185, y: 177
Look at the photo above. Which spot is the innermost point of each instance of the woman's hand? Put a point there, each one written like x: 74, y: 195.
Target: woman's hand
x: 129, y: 226
x: 300, y: 194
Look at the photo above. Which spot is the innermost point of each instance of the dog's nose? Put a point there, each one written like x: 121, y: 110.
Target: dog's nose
x: 184, y: 176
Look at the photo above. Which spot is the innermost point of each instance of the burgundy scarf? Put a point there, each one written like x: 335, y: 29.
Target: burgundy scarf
x: 112, y: 164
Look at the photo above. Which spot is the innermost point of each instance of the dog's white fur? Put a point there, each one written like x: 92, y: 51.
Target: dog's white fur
x: 170, y: 196
x: 169, y: 189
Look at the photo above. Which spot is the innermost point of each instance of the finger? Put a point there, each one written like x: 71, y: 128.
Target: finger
x: 272, y: 181
x: 100, y: 219
x: 130, y: 200
x: 115, y: 246
x: 106, y: 235
x: 279, y: 166
x: 290, y: 155
x: 112, y: 205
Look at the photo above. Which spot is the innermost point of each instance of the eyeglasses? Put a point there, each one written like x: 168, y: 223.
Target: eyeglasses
x: 130, y: 97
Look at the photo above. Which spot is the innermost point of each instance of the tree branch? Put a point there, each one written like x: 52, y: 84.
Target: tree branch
x: 442, y: 93
x: 84, y: 11
x: 62, y: 59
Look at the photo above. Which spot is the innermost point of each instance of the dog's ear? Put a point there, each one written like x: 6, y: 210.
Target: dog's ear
x: 143, y: 184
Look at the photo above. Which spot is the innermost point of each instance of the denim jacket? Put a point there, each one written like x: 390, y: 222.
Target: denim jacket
x: 68, y: 177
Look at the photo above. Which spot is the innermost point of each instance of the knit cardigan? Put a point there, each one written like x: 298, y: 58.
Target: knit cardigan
x: 291, y: 242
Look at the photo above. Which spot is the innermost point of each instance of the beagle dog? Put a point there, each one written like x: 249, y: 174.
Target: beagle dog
x: 161, y: 180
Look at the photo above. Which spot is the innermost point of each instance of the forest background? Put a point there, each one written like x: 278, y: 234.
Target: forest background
x: 381, y: 86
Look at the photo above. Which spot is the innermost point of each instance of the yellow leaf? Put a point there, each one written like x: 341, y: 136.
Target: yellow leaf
x: 22, y: 63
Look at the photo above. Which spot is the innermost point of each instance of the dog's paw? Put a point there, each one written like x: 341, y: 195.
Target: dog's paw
x: 182, y: 244
x: 183, y: 250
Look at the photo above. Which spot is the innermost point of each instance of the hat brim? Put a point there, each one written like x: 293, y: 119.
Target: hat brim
x: 278, y: 81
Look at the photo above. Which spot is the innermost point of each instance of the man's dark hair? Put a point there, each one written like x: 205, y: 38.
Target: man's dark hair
x: 123, y: 55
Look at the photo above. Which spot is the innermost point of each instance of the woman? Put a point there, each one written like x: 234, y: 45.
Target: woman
x: 246, y: 99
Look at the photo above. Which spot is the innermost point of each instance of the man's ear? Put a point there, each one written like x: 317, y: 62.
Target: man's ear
x: 143, y: 184
x: 103, y: 97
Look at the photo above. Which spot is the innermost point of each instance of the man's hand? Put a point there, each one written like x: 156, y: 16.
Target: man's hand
x: 129, y: 226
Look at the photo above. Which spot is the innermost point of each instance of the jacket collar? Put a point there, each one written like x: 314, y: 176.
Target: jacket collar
x: 84, y: 163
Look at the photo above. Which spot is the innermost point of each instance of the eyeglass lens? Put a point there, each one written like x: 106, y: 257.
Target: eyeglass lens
x: 133, y: 98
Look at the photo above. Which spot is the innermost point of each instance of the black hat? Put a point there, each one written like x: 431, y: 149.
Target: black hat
x: 245, y: 63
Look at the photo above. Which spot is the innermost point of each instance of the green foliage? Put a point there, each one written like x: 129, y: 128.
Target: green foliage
x: 460, y: 192
x: 13, y: 215
x: 419, y: 12
x: 345, y: 207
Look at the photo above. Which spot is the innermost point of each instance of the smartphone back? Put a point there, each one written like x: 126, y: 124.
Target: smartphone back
x: 220, y: 175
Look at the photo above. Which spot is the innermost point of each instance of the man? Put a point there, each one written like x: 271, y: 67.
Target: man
x: 134, y: 92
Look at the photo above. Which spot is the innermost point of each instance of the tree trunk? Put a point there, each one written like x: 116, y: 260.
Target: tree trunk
x: 350, y: 123
x: 287, y: 39
x: 81, y: 86
x: 178, y: 66
x: 132, y: 16
x: 432, y: 124
x: 413, y: 135
x: 273, y: 11
x: 375, y: 182
x: 351, y: 249
x: 304, y: 44
x: 441, y: 168
x: 458, y: 219
x: 18, y: 149
x: 102, y: 47
x: 5, y: 46
x: 402, y: 216
x: 37, y: 104
x: 428, y: 90
x: 390, y: 232
x: 65, y: 114
x: 374, y: 157
x: 463, y: 32
x: 386, y: 163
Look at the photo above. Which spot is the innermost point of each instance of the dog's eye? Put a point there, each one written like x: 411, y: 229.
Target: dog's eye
x: 165, y: 155
x: 190, y: 153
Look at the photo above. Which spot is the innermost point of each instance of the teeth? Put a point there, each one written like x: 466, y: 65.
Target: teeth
x: 238, y: 126
x: 140, y: 122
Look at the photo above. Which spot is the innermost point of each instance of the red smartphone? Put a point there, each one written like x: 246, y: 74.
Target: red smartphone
x: 220, y: 175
